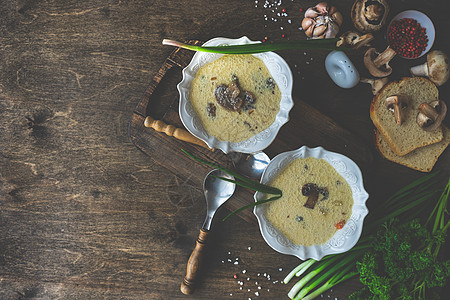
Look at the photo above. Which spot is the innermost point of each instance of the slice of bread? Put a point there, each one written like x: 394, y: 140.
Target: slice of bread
x: 408, y: 136
x: 421, y: 159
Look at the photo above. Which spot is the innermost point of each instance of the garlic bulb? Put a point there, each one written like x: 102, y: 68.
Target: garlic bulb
x: 322, y: 21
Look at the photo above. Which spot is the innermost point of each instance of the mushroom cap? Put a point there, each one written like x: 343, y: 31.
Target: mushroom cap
x: 437, y: 62
x: 364, y: 19
x: 381, y: 71
x: 431, y: 115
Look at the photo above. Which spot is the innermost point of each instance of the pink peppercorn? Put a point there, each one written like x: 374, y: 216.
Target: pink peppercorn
x: 407, y: 37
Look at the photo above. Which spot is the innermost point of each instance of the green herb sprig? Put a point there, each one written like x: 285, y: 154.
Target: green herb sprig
x: 244, y: 182
x: 313, y: 44
x: 378, y: 236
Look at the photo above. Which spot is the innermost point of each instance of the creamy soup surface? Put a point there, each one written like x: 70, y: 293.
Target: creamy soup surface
x: 252, y: 76
x: 313, y: 219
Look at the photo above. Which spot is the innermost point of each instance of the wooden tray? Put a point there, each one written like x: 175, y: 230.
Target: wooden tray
x: 307, y: 126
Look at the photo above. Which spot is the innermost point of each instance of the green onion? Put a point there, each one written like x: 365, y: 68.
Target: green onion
x: 244, y: 182
x: 407, y: 202
x: 319, y: 44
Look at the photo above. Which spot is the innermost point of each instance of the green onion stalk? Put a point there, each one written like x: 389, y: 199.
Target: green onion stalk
x: 313, y: 44
x: 407, y: 204
x: 244, y: 182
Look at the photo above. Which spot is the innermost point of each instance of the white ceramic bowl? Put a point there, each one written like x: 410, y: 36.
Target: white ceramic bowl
x: 424, y: 21
x: 345, y: 238
x: 280, y: 72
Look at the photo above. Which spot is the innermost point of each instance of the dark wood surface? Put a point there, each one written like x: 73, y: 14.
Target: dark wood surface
x: 83, y: 213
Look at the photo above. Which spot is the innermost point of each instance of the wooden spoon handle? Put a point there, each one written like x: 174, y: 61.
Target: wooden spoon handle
x: 194, y: 263
x: 170, y: 130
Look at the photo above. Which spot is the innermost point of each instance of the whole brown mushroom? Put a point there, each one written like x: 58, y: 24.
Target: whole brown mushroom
x: 369, y: 15
x: 435, y: 68
x: 378, y: 63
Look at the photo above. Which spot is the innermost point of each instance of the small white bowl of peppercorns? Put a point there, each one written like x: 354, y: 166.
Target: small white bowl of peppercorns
x: 411, y: 34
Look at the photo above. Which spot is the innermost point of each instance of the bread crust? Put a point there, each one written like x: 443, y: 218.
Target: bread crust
x: 377, y: 123
x: 411, y: 165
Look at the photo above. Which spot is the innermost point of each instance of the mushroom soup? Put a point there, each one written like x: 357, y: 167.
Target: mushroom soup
x: 235, y: 97
x: 316, y: 202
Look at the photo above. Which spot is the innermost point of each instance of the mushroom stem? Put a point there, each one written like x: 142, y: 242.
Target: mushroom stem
x: 428, y: 110
x: 420, y: 70
x: 376, y: 84
x: 384, y: 57
x: 396, y: 104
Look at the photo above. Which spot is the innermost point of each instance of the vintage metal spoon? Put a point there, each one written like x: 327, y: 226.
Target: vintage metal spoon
x: 217, y: 192
x: 250, y: 165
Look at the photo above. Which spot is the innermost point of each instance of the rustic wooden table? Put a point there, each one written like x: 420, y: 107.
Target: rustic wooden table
x: 83, y: 213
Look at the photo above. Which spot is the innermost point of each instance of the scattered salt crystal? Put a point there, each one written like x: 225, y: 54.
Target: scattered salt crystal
x: 248, y: 290
x: 236, y: 262
x: 223, y: 261
x: 256, y: 293
x: 241, y: 283
x: 240, y: 288
x: 249, y: 248
x: 229, y: 260
x: 248, y: 278
x: 237, y: 258
x: 244, y: 271
x: 276, y: 281
x: 289, y: 21
x: 265, y: 274
x: 259, y: 287
x: 229, y: 253
x: 280, y: 269
x: 256, y: 283
x: 231, y: 294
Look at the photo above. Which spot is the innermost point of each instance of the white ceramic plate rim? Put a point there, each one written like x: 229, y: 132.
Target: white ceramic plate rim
x: 279, y: 71
x: 344, y: 239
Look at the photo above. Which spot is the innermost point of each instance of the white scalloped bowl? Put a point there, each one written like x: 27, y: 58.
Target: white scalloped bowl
x: 280, y: 72
x: 344, y: 239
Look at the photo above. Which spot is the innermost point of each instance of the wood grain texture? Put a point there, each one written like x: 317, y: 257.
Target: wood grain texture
x: 83, y: 213
x: 195, y: 263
